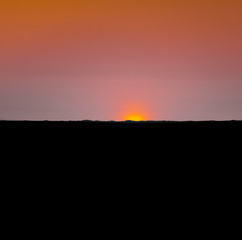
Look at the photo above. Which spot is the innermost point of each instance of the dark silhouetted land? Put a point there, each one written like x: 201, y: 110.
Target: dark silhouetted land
x: 122, y: 132
x: 111, y: 127
x: 149, y: 139
x: 166, y: 159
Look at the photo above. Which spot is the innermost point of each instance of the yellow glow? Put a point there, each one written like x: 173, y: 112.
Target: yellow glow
x: 134, y: 118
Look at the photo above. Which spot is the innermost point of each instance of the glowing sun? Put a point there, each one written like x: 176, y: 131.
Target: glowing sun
x: 134, y: 117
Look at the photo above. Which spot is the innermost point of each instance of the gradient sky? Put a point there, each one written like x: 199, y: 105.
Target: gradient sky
x: 105, y: 59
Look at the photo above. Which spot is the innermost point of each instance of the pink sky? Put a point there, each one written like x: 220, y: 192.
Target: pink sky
x: 101, y: 60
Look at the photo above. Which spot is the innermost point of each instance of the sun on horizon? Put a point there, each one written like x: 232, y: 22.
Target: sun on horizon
x: 134, y: 117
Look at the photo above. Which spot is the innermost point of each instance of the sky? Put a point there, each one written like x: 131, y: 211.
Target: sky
x: 106, y: 59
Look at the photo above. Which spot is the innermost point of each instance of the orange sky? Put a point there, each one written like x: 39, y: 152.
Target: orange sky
x: 169, y: 59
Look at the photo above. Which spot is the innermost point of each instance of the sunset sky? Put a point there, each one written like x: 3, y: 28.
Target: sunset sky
x: 107, y: 59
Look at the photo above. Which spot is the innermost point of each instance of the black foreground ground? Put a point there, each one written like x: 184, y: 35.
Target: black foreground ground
x: 123, y: 170
x: 122, y: 135
x: 160, y: 142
